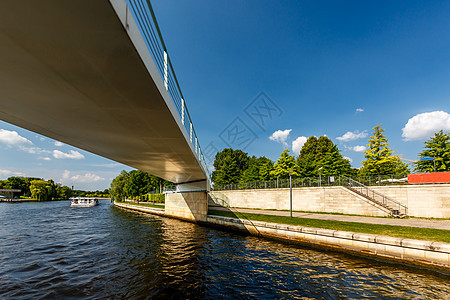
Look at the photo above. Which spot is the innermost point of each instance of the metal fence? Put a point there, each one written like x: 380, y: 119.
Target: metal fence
x: 144, y: 16
x: 314, y: 182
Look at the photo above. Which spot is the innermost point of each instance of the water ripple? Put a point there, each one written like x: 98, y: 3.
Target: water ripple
x: 52, y: 251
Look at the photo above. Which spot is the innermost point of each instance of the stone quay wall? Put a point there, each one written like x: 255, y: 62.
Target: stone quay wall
x: 408, y: 250
x: 429, y: 201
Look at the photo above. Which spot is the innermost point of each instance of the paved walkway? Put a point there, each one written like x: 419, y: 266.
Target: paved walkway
x: 411, y: 222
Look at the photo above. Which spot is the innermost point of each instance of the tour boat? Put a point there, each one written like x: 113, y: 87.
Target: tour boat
x: 83, y: 201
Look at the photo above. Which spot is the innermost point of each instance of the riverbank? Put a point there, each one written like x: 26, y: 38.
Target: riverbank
x: 430, y: 253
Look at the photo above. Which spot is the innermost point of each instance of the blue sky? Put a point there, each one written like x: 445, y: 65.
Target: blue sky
x: 334, y: 68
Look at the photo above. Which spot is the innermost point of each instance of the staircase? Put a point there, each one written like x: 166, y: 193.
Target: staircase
x: 396, y: 208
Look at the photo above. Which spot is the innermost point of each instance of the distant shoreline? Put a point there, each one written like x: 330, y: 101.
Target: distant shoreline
x: 34, y: 200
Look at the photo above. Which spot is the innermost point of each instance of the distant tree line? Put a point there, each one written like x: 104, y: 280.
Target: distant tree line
x: 135, y: 183
x: 97, y: 194
x: 318, y: 157
x: 37, y: 188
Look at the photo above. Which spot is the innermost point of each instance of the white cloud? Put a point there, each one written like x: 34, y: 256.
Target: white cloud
x: 359, y: 110
x: 8, y: 173
x: 348, y: 158
x: 359, y: 148
x: 424, y: 125
x: 71, y: 155
x: 111, y: 165
x: 34, y: 150
x: 12, y: 138
x: 298, y: 144
x: 66, y: 174
x: 280, y: 136
x: 351, y: 136
x: 44, y: 158
x: 88, y: 177
x: 58, y: 144
x: 80, y: 178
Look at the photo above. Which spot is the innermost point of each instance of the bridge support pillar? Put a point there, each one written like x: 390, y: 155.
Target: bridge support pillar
x: 190, y: 206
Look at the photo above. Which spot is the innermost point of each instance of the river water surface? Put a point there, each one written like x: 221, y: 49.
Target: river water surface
x: 49, y: 250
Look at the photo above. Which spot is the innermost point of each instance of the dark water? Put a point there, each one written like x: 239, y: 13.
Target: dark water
x: 49, y: 250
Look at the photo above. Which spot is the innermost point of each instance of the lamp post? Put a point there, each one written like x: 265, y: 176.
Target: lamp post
x: 290, y: 189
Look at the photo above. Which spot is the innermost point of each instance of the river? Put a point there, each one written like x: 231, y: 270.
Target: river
x: 50, y: 250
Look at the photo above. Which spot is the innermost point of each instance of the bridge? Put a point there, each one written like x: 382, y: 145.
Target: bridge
x: 97, y: 75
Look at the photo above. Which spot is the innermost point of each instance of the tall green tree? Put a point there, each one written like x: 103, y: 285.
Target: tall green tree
x: 258, y: 169
x: 379, y: 158
x: 139, y: 183
x: 306, y: 161
x: 265, y: 169
x: 334, y: 164
x: 285, y: 166
x: 321, y: 156
x: 117, y: 190
x: 63, y: 192
x: 229, y: 166
x: 41, y: 190
x: 18, y: 183
x: 438, y: 147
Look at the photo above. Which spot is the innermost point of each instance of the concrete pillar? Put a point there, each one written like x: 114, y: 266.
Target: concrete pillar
x: 190, y: 206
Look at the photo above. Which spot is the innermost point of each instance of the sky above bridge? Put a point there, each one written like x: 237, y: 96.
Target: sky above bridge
x: 263, y: 76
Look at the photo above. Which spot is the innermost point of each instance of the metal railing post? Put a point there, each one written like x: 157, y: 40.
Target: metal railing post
x: 190, y: 134
x: 196, y: 145
x: 166, y: 73
x: 182, y: 111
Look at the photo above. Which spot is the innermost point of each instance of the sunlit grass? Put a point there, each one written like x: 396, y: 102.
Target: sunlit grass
x: 427, y: 234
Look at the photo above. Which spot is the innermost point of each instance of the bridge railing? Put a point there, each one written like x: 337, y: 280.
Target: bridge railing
x: 145, y: 18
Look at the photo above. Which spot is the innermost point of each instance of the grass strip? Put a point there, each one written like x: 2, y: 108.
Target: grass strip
x: 426, y: 234
x: 143, y: 204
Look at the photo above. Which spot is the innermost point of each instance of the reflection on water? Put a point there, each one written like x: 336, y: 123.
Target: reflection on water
x: 49, y: 250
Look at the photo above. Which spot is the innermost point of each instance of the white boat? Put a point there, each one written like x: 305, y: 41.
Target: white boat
x: 83, y: 201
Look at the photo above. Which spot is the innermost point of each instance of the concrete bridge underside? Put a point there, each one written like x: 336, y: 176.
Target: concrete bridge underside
x: 79, y: 72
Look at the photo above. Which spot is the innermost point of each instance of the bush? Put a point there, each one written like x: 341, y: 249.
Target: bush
x: 155, y: 198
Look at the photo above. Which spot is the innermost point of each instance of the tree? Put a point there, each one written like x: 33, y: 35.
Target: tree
x: 334, y: 164
x: 41, y: 190
x: 117, y: 190
x: 321, y: 156
x: 438, y: 147
x: 63, y: 192
x: 285, y: 166
x: 265, y: 169
x: 380, y: 160
x: 139, y: 183
x: 306, y: 161
x: 230, y: 165
x: 258, y: 169
x: 17, y: 183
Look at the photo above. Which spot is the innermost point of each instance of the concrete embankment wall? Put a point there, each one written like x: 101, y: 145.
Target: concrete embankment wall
x: 416, y: 251
x: 421, y: 200
x: 423, y: 252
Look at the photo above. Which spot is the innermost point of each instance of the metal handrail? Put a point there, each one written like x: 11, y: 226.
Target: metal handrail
x: 385, y: 199
x: 140, y: 10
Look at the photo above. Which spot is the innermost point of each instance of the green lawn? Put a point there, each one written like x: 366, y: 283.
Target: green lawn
x: 426, y: 234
